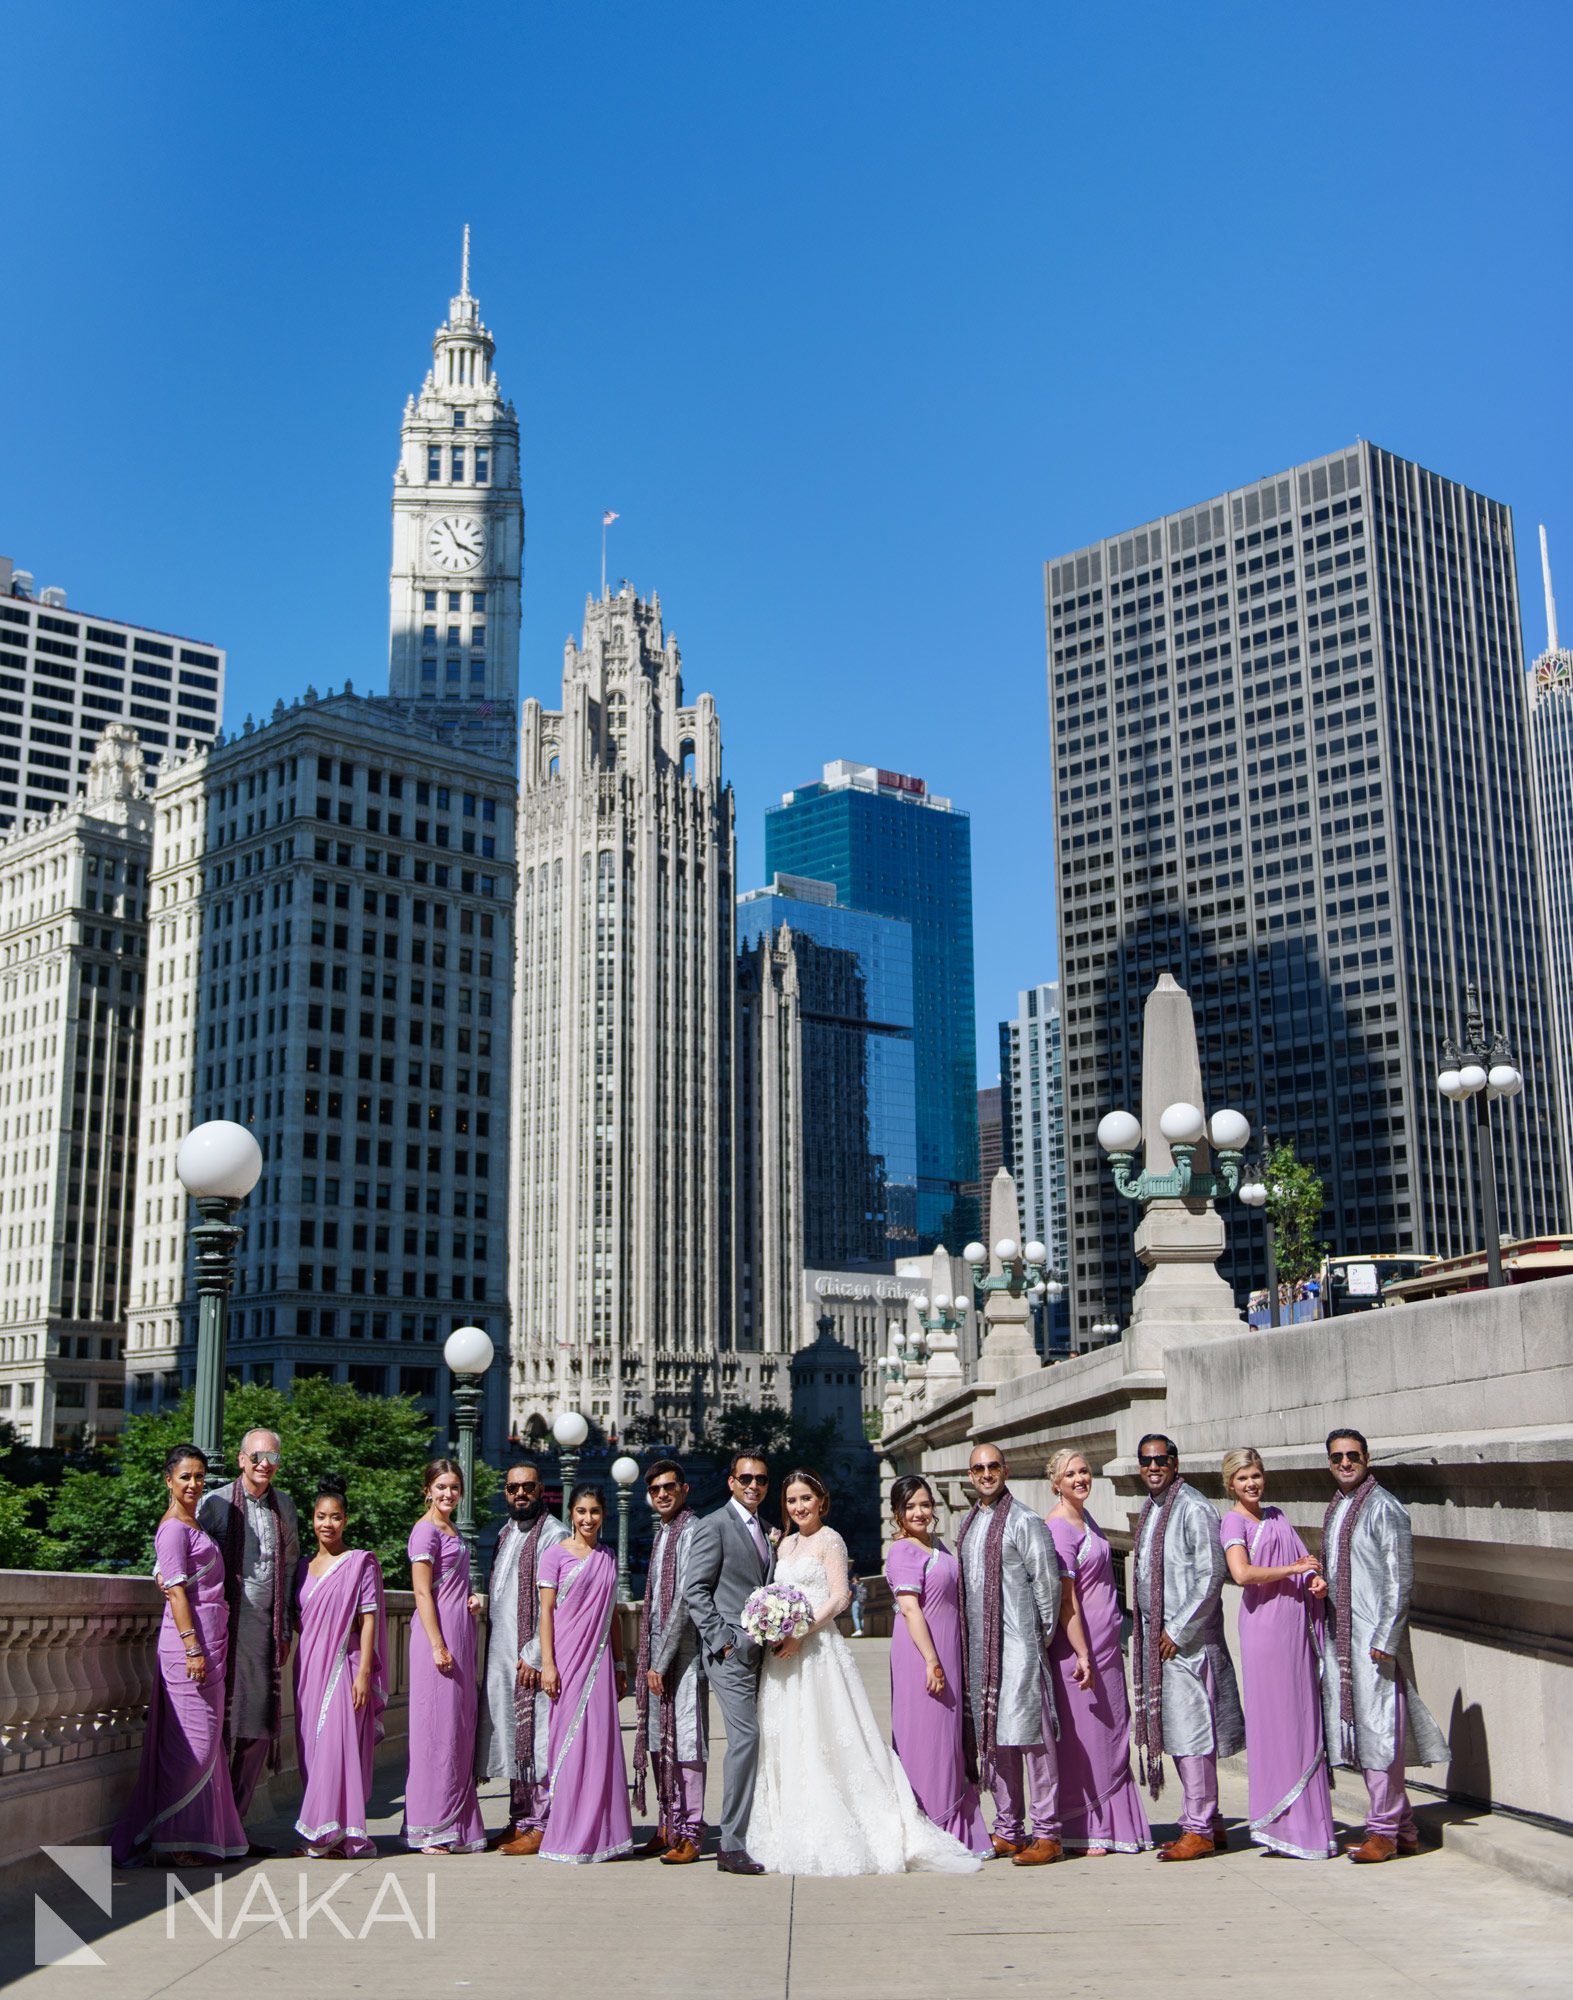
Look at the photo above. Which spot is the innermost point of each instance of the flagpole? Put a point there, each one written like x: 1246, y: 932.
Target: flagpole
x: 603, y: 555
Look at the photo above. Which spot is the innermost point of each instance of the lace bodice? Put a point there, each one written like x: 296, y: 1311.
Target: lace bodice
x: 818, y: 1568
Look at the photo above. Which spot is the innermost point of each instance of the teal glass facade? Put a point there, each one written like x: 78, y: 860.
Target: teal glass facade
x: 890, y: 849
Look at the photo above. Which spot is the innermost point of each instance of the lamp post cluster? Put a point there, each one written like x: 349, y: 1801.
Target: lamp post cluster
x: 1185, y: 1127
x: 1480, y: 1068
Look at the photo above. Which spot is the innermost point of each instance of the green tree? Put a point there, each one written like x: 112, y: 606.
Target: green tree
x: 785, y: 1440
x: 1294, y: 1202
x: 375, y: 1446
x: 22, y: 1545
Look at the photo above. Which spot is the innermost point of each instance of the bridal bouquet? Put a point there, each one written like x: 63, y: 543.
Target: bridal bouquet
x: 775, y: 1612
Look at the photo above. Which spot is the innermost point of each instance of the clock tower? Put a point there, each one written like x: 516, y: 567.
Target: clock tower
x: 458, y: 542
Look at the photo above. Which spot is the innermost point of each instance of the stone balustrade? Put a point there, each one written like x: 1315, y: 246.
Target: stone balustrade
x: 77, y: 1668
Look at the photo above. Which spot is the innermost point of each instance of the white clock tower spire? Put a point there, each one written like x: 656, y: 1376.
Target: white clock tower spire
x: 458, y: 540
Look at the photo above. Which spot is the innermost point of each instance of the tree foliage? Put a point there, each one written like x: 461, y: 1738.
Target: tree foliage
x: 23, y: 1545
x: 781, y: 1438
x: 376, y: 1446
x: 1294, y: 1204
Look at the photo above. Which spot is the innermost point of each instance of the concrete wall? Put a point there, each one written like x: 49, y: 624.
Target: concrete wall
x: 1468, y: 1404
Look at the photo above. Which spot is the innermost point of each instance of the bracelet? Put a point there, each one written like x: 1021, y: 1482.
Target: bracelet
x: 186, y: 1635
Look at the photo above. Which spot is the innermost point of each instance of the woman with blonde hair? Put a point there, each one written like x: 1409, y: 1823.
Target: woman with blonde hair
x: 1100, y: 1807
x: 1281, y: 1588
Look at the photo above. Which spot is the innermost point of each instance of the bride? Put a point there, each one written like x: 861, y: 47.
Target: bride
x: 830, y: 1798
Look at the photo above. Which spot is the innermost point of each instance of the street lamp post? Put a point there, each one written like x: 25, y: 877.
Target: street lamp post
x: 1255, y: 1193
x: 625, y: 1471
x: 218, y: 1164
x: 468, y: 1351
x: 1183, y: 1125
x: 570, y: 1430
x: 1481, y: 1067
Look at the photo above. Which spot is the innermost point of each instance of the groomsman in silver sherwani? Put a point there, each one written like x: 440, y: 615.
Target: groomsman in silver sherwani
x: 515, y: 1715
x: 1373, y: 1718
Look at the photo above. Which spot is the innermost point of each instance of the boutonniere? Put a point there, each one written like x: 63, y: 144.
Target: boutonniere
x: 773, y: 1537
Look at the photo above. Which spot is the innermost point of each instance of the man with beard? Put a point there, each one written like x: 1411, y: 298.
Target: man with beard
x: 671, y: 1696
x: 516, y: 1715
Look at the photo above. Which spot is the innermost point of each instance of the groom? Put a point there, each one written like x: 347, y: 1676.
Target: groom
x: 729, y: 1558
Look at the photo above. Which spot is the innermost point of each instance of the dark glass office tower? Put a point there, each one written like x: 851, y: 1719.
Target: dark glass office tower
x: 887, y: 845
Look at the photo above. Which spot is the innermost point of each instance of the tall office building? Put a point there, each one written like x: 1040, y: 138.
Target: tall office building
x: 1291, y: 768
x: 458, y: 542
x: 991, y: 1146
x: 73, y: 970
x: 1033, y: 1112
x: 854, y: 985
x: 66, y: 675
x: 1551, y: 740
x: 623, y: 1261
x: 888, y: 845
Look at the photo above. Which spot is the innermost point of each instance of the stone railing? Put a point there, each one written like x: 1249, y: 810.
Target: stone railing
x: 77, y: 1668
x: 1468, y: 1404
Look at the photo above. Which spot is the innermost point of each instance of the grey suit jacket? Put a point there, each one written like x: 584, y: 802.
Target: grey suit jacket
x: 723, y: 1572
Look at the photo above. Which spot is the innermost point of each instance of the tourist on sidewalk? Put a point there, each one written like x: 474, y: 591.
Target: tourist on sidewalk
x: 442, y: 1814
x: 1100, y: 1807
x: 1280, y: 1631
x: 587, y: 1818
x: 1374, y: 1719
x: 340, y: 1684
x: 182, y: 1810
x: 925, y: 1667
x: 1186, y: 1701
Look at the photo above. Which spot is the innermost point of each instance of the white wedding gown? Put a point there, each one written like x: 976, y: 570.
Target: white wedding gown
x: 831, y: 1797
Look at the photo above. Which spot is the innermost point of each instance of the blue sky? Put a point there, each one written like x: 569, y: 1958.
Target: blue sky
x: 854, y: 313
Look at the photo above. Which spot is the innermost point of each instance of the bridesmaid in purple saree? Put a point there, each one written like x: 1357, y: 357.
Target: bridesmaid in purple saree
x: 1280, y: 1603
x: 182, y: 1810
x: 442, y: 1814
x: 925, y: 1668
x: 340, y: 1685
x: 1100, y: 1807
x: 588, y: 1818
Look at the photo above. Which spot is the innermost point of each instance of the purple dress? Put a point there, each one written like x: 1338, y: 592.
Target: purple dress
x: 183, y: 1802
x: 440, y: 1805
x: 1099, y: 1803
x: 1291, y: 1805
x: 925, y: 1729
x: 588, y: 1819
x: 334, y: 1740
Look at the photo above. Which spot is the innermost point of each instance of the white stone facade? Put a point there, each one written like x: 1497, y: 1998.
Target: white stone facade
x: 1031, y: 1059
x: 623, y: 1130
x: 73, y: 967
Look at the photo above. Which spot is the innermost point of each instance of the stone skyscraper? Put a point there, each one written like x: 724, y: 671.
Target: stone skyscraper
x: 1291, y: 767
x: 1551, y: 741
x: 458, y: 542
x: 622, y: 1271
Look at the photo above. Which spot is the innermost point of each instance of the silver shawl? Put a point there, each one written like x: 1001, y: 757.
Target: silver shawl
x: 497, y: 1747
x: 1030, y: 1609
x: 1201, y: 1698
x: 674, y: 1650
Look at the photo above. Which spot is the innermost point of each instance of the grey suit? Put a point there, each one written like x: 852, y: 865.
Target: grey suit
x: 723, y: 1571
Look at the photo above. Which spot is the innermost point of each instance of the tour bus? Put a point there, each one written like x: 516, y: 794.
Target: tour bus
x: 1524, y: 1259
x: 1361, y: 1282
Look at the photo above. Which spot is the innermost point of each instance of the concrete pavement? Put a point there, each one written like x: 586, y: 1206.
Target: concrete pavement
x: 1441, y: 1925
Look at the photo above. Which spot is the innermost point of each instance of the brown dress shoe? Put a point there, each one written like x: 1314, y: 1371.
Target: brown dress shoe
x: 657, y: 1843
x: 1375, y: 1847
x: 1037, y: 1854
x: 680, y: 1855
x: 1189, y: 1847
x: 526, y: 1842
x: 1007, y: 1849
x: 1220, y: 1835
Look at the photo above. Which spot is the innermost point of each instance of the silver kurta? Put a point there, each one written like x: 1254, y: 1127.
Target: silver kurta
x: 674, y: 1650
x: 270, y: 1539
x: 1030, y: 1607
x: 497, y: 1747
x: 1382, y: 1562
x: 1201, y: 1698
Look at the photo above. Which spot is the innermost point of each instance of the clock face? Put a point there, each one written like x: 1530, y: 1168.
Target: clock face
x: 456, y: 542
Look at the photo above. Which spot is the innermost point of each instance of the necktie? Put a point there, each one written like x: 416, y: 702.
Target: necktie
x: 760, y: 1544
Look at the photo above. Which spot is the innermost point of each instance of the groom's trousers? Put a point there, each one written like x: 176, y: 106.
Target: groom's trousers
x: 735, y: 1684
x: 1034, y: 1768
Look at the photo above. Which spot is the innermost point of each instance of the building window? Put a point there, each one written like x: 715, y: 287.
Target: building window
x: 453, y: 670
x: 477, y: 670
x: 430, y: 599
x: 453, y: 635
x: 458, y: 420
x: 478, y: 636
x: 433, y: 462
x: 483, y: 466
x: 478, y: 602
x: 458, y: 461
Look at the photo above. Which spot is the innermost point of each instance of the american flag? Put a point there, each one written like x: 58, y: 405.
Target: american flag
x: 607, y: 519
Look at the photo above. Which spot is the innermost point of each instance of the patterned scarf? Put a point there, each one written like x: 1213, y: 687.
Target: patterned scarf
x: 1146, y: 1663
x: 528, y: 1620
x: 663, y: 1593
x: 980, y: 1743
x: 234, y: 1562
x: 1343, y: 1610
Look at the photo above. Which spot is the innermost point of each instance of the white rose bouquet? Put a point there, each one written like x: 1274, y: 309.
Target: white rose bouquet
x: 776, y: 1611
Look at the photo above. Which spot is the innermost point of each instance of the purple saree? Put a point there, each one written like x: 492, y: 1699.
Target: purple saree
x: 1099, y: 1803
x: 335, y: 1740
x: 1291, y: 1807
x: 183, y: 1802
x: 588, y: 1819
x: 440, y: 1805
x: 925, y: 1729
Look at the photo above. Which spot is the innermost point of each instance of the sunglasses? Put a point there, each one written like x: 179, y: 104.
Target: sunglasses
x: 752, y: 1478
x: 1150, y: 1458
x: 1346, y: 1458
x: 532, y: 1487
x: 662, y: 1486
x: 988, y: 1465
x: 263, y: 1457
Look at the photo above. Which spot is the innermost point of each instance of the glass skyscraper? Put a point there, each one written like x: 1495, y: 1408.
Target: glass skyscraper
x: 855, y: 1000
x: 889, y: 847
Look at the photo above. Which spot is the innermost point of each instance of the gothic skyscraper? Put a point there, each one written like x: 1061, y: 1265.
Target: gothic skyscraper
x: 458, y: 542
x: 622, y: 1285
